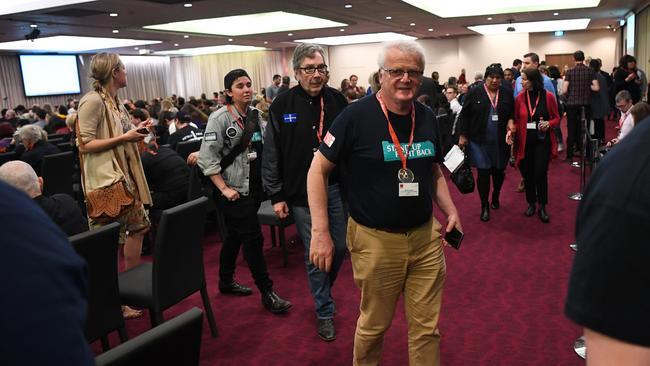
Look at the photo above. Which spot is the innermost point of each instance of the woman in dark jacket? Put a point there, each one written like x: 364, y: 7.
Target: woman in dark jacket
x: 535, y: 114
x: 627, y: 78
x: 486, y: 115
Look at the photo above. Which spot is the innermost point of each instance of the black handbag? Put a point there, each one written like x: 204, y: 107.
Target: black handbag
x: 463, y: 177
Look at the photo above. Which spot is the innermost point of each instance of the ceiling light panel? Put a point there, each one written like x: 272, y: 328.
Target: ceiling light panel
x: 490, y: 7
x: 22, y: 6
x: 239, y: 25
x: 532, y: 27
x: 357, y: 38
x: 72, y: 44
x: 212, y: 49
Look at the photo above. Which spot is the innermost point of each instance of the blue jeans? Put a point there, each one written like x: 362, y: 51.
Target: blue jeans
x: 320, y: 283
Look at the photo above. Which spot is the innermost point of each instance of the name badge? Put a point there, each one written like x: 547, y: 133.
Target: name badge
x: 531, y: 126
x: 495, y: 118
x: 409, y: 189
x: 252, y: 155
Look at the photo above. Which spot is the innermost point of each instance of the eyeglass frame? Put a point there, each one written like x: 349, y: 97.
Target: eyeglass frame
x: 310, y: 70
x: 401, y: 73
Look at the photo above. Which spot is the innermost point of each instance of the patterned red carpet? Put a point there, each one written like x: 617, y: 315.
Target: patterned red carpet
x: 503, y: 300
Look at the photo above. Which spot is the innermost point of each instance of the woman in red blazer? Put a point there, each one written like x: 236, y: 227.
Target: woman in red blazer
x: 536, y: 113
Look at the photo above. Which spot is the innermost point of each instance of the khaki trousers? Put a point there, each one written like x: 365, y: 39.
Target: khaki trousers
x: 385, y: 265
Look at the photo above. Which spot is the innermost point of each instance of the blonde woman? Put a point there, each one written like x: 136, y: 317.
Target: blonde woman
x: 109, y: 157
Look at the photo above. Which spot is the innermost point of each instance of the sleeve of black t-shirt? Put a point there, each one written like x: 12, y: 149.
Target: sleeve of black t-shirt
x: 437, y: 142
x: 338, y: 140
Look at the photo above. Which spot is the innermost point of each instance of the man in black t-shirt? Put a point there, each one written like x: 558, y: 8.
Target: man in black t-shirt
x: 184, y: 131
x: 388, y: 148
x: 609, y: 290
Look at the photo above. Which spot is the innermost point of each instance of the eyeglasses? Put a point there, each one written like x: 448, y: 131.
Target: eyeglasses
x: 312, y: 69
x: 399, y: 73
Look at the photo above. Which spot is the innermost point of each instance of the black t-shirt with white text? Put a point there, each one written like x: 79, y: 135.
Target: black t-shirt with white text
x: 359, y: 142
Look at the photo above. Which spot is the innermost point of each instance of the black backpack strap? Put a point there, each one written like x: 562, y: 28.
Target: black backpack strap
x: 252, y: 121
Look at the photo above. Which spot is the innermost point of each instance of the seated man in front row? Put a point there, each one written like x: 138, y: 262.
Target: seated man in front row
x: 61, y: 208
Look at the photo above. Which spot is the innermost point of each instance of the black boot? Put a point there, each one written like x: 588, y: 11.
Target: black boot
x: 531, y: 210
x: 543, y: 215
x: 233, y: 288
x: 326, y: 330
x: 485, y: 212
x: 495, y: 201
x: 274, y: 303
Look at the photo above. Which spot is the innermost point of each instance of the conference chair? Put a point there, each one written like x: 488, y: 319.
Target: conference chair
x: 7, y: 156
x: 185, y: 148
x: 64, y: 146
x: 176, y: 342
x: 177, y: 270
x: 57, y: 170
x: 196, y: 188
x: 266, y: 216
x: 99, y: 249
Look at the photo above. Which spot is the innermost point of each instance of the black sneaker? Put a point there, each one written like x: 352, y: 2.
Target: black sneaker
x: 326, y: 330
x: 233, y: 288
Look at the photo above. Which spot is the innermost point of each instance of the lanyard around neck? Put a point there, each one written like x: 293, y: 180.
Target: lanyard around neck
x: 398, y: 147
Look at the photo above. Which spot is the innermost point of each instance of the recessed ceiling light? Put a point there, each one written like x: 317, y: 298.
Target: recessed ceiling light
x: 72, y: 44
x: 357, y: 38
x: 348, y: 6
x: 556, y: 14
x: 212, y: 49
x: 389, y: 18
x: 113, y: 14
x: 447, y: 34
x: 412, y: 24
x: 136, y: 48
x: 33, y: 25
x: 489, y: 7
x: 532, y: 27
x: 430, y: 29
x: 266, y: 42
x: 175, y: 44
x: 277, y: 21
x: 11, y: 7
x: 290, y: 34
x: 489, y: 18
x: 116, y: 31
x: 342, y: 29
x: 187, y: 5
x: 186, y: 36
x: 229, y: 39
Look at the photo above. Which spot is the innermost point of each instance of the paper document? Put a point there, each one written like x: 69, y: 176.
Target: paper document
x: 454, y: 159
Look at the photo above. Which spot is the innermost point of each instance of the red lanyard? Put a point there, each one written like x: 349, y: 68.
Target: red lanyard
x: 319, y: 133
x: 496, y: 100
x: 531, y: 110
x: 236, y: 117
x: 393, y: 135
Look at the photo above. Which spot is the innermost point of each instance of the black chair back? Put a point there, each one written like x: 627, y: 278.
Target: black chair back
x: 195, y: 186
x: 99, y: 249
x: 175, y: 342
x: 178, y: 253
x: 64, y: 146
x: 57, y: 170
x: 185, y: 148
x: 7, y: 156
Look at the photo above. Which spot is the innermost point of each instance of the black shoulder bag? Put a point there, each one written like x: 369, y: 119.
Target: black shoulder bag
x: 463, y: 178
x: 252, y: 121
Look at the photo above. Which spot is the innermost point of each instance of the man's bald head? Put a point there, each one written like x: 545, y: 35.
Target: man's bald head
x: 21, y: 176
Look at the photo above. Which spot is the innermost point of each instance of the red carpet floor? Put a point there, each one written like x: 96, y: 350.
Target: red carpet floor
x: 502, y: 305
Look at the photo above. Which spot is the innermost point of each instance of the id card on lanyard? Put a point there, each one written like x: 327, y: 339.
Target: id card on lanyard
x: 531, y: 125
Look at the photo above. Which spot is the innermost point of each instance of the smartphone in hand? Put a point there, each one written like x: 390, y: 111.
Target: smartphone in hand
x: 143, y: 130
x: 454, y: 238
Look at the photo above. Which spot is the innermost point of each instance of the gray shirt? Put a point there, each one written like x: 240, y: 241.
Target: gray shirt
x: 272, y: 91
x: 216, y: 145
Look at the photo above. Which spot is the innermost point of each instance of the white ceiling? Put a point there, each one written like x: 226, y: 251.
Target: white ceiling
x: 365, y: 16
